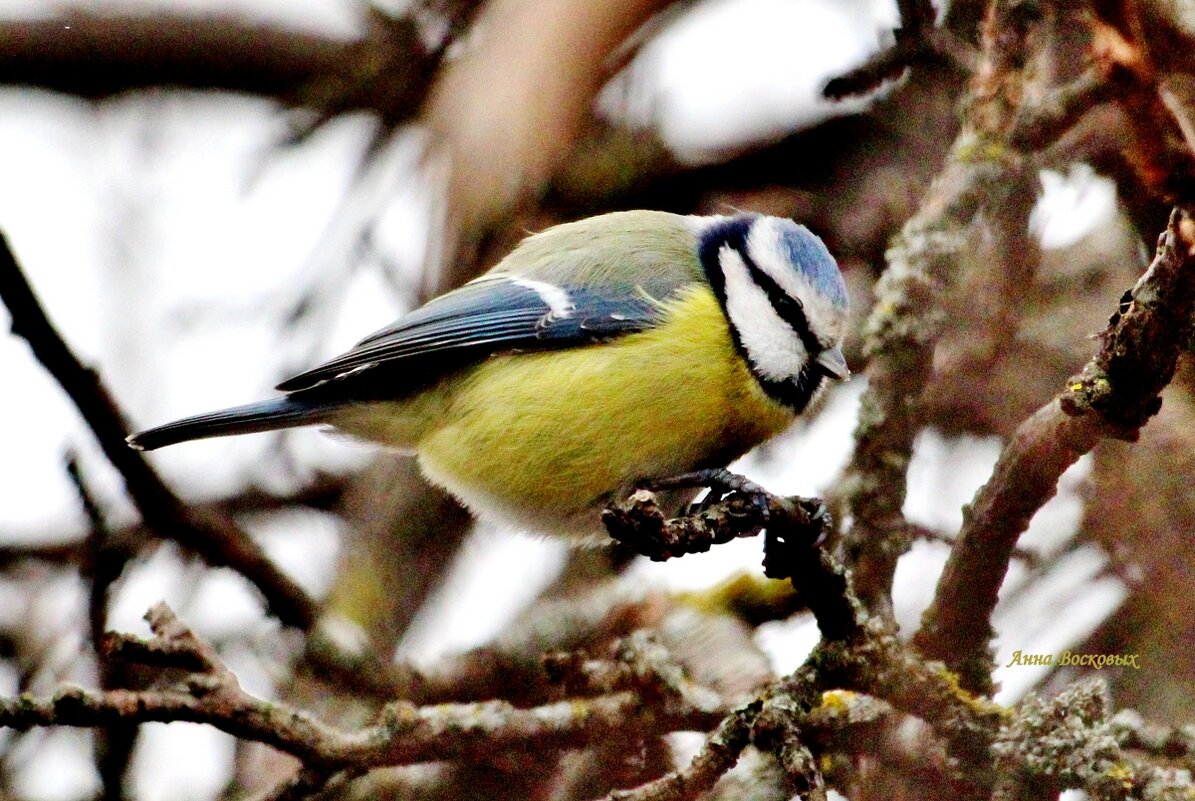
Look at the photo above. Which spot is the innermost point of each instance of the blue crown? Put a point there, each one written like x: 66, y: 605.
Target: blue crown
x: 809, y: 254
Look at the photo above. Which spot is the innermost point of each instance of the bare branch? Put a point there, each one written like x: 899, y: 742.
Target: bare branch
x: 638, y: 662
x: 1115, y: 395
x: 103, y: 567
x: 717, y: 755
x: 216, y: 539
x: 94, y: 56
x: 795, y: 529
x: 512, y: 665
x: 918, y: 41
x: 123, y: 542
x: 99, y: 55
x: 404, y: 734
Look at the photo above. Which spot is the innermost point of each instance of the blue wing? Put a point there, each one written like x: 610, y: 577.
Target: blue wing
x: 496, y: 313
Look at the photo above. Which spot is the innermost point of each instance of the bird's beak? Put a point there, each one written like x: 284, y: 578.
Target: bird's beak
x: 834, y: 363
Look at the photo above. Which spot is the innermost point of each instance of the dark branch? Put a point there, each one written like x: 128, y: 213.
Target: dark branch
x: 404, y: 734
x: 96, y: 56
x: 512, y: 665
x: 99, y: 55
x: 917, y: 41
x: 322, y: 494
x: 1116, y: 394
x: 640, y: 524
x: 717, y: 756
x: 218, y: 540
x: 796, y: 527
x: 103, y: 567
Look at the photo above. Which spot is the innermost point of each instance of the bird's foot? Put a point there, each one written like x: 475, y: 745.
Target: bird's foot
x: 721, y: 483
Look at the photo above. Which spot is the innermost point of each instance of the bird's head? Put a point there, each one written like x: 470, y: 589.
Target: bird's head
x: 784, y: 299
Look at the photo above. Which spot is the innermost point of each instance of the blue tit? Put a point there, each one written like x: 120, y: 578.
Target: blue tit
x: 598, y: 354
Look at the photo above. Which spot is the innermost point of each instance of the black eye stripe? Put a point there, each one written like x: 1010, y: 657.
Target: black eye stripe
x: 788, y: 307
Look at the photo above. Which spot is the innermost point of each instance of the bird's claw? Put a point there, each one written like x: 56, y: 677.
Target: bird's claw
x: 722, y: 484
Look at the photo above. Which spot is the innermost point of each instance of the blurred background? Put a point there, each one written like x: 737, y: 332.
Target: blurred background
x: 209, y: 196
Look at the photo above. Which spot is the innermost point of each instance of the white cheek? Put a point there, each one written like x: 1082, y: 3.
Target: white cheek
x: 772, y: 345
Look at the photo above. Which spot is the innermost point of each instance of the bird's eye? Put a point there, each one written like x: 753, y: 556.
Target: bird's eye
x: 787, y: 307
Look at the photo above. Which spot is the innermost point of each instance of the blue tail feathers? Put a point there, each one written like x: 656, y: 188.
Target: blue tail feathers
x: 248, y: 419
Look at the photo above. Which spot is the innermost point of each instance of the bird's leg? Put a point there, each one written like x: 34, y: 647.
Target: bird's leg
x: 721, y: 482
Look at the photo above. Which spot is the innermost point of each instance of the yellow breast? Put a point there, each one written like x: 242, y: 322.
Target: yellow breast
x: 544, y: 440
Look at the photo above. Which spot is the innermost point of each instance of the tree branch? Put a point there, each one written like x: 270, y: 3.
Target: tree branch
x: 1115, y: 395
x: 404, y: 734
x: 103, y: 567
x: 217, y: 539
x: 98, y: 55
x: 1008, y: 108
x: 718, y: 754
x: 389, y: 69
x: 918, y: 40
x: 796, y: 527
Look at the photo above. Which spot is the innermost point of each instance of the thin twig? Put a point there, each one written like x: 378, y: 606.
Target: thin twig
x: 104, y: 565
x: 309, y: 783
x: 323, y: 493
x: 717, y: 755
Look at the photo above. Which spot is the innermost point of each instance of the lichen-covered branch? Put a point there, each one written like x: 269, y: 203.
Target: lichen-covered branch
x: 1068, y: 742
x: 1115, y: 395
x: 1012, y: 110
x: 901, y: 333
x: 404, y: 733
x: 795, y: 527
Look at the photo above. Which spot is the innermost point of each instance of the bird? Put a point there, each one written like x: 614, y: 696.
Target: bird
x: 597, y: 356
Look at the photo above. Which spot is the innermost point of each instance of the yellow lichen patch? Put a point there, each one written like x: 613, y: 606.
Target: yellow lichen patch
x: 981, y: 705
x: 1122, y: 773
x: 837, y: 701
